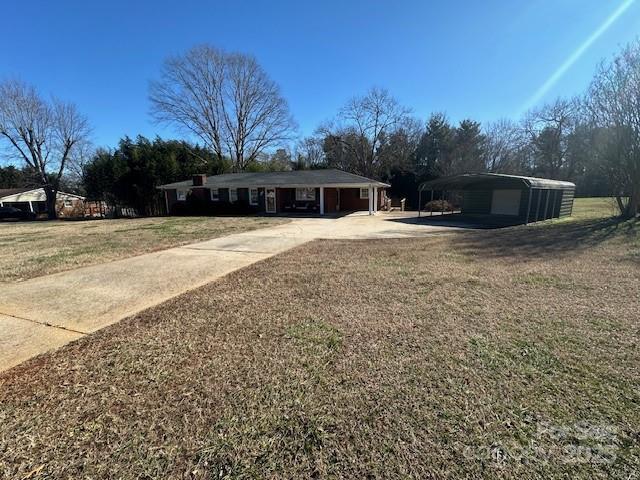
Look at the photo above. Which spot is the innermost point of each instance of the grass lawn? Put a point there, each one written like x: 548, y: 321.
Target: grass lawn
x: 498, y: 353
x: 31, y: 249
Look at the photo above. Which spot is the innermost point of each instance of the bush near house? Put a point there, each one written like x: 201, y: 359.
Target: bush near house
x: 439, y: 206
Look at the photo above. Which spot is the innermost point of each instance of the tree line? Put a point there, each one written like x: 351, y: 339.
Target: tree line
x: 558, y: 140
x: 592, y: 140
x: 228, y: 104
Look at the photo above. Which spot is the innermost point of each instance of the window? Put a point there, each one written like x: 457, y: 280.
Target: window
x: 181, y: 195
x: 68, y: 202
x: 233, y: 195
x: 215, y: 195
x: 253, y: 196
x: 364, y: 193
x: 305, y: 194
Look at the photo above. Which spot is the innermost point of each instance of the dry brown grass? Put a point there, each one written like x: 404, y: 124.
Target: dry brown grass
x: 31, y: 249
x: 508, y: 353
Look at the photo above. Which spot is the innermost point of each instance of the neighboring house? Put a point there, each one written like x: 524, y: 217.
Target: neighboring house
x: 34, y: 200
x: 319, y: 191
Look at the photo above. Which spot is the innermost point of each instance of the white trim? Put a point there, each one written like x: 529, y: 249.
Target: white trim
x: 375, y: 199
x: 254, y: 189
x: 275, y: 200
x: 217, y: 196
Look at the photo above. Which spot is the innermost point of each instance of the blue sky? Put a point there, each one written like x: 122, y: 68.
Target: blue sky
x: 478, y: 59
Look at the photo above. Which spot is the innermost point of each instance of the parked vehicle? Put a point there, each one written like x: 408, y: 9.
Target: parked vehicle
x: 15, y: 213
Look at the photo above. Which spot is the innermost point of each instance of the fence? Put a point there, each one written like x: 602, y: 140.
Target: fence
x: 100, y: 209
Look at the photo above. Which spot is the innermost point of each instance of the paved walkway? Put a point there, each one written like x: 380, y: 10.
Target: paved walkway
x: 46, y: 312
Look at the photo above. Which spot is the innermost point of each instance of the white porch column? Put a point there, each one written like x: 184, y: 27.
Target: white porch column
x: 30, y: 206
x: 321, y: 200
x: 370, y: 200
x: 375, y: 199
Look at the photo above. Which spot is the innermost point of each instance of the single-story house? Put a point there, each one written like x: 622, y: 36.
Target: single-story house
x: 510, y: 198
x: 34, y: 200
x: 319, y: 191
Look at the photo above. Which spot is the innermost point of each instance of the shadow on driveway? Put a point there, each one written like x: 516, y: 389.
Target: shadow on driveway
x: 457, y: 220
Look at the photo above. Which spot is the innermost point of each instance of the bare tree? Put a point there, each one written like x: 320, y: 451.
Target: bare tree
x: 309, y: 153
x: 613, y: 100
x: 398, y: 148
x: 226, y: 100
x: 189, y: 95
x: 504, y: 141
x: 549, y: 128
x: 256, y: 116
x: 362, y: 126
x: 44, y: 135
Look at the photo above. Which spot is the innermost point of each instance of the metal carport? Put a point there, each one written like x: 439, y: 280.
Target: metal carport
x: 518, y: 198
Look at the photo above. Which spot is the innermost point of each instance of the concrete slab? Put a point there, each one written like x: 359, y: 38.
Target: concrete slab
x: 265, y: 244
x: 21, y: 339
x: 89, y: 298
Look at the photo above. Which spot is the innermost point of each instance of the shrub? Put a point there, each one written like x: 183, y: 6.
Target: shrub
x: 439, y: 206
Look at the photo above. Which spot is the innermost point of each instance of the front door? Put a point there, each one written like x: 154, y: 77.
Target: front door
x: 270, y: 200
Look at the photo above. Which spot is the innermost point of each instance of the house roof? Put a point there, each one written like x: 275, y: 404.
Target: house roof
x: 493, y: 180
x: 294, y: 178
x: 28, y: 194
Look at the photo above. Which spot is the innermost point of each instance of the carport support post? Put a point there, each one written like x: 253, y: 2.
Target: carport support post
x: 419, y: 201
x: 370, y: 200
x: 30, y: 206
x: 321, y: 200
x: 431, y: 209
x: 166, y: 202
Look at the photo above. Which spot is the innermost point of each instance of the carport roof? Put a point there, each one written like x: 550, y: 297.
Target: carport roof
x: 6, y: 192
x: 493, y: 180
x: 296, y: 178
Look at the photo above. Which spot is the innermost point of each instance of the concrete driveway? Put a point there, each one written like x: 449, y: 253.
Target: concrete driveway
x: 46, y: 312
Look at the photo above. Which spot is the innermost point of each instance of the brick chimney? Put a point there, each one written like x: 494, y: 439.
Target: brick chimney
x: 199, y: 180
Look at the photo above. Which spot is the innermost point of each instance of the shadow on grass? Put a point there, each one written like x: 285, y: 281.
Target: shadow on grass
x: 553, y: 238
